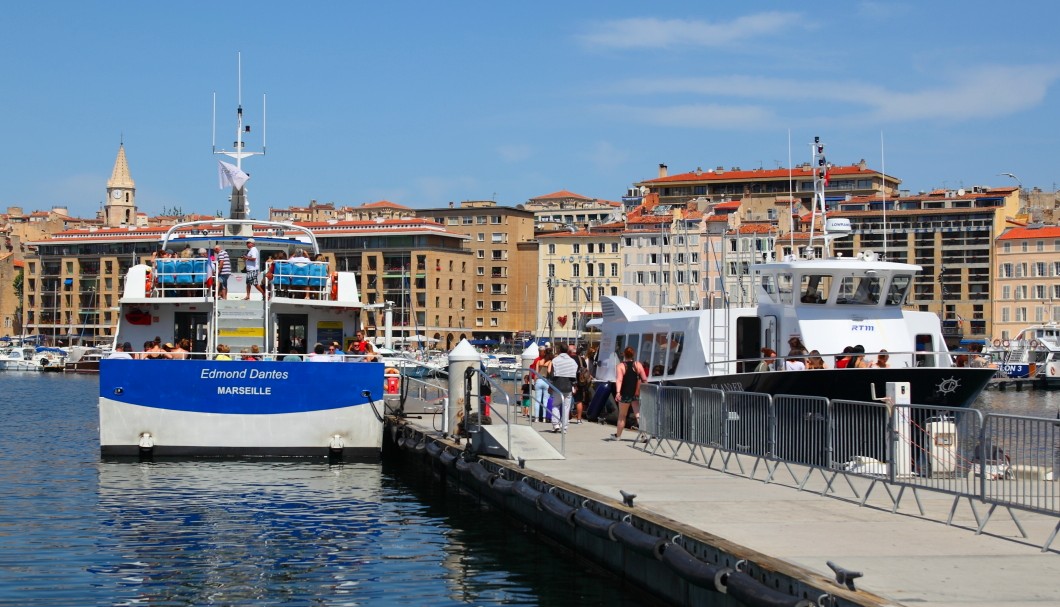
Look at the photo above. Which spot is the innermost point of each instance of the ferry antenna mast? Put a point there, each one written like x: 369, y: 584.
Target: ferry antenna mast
x: 234, y: 175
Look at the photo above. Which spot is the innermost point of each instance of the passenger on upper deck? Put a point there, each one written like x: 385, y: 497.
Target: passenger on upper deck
x: 814, y: 361
x: 858, y: 360
x: 224, y: 270
x: 121, y: 351
x: 769, y: 359
x: 882, y: 360
x: 977, y: 359
x: 223, y: 352
x: 794, y: 360
x: 252, y: 259
x: 357, y: 346
x: 318, y: 355
x: 842, y: 362
x: 152, y: 351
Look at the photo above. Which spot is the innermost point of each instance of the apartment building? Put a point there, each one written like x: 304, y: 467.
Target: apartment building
x: 500, y: 301
x: 720, y: 184
x: 565, y: 208
x: 1027, y: 275
x: 662, y: 255
x: 576, y: 269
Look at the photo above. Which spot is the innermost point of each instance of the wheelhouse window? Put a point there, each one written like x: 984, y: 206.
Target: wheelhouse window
x: 814, y: 288
x: 859, y: 290
x: 898, y: 289
x: 785, y: 283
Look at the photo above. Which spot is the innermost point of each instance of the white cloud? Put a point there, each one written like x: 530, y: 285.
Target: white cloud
x: 650, y: 32
x: 982, y: 92
x: 515, y: 152
x: 606, y: 157
x: 703, y: 115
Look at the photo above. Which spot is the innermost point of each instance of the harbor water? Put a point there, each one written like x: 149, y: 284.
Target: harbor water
x: 75, y: 530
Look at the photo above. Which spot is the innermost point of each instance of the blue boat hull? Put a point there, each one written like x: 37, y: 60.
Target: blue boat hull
x: 201, y: 407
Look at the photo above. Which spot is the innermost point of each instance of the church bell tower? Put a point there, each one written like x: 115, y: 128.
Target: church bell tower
x: 120, y: 208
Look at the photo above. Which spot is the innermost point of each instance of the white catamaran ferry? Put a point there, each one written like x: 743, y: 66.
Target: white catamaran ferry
x: 826, y: 304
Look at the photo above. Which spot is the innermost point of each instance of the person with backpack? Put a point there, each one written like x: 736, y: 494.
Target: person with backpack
x: 628, y: 378
x: 564, y: 378
x: 584, y: 383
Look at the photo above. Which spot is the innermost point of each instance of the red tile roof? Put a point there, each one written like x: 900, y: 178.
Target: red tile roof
x: 561, y: 195
x: 782, y: 173
x: 724, y: 206
x: 383, y: 204
x: 1027, y: 232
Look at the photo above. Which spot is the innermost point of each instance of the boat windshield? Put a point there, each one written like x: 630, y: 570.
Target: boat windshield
x: 814, y: 288
x: 862, y: 290
x: 898, y: 289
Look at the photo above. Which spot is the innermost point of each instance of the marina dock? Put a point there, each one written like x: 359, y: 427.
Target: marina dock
x: 780, y: 535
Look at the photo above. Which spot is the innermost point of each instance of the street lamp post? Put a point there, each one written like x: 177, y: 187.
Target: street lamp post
x: 942, y: 293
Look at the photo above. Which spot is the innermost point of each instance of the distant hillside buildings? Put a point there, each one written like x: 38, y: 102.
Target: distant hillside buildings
x: 493, y: 273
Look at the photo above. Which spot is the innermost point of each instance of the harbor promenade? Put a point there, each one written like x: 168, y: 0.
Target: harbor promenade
x: 906, y: 558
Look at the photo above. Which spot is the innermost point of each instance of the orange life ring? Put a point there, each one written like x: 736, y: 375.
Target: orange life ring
x: 1052, y: 370
x: 1005, y: 343
x: 334, y: 286
x: 1034, y: 344
x: 997, y: 343
x: 147, y: 284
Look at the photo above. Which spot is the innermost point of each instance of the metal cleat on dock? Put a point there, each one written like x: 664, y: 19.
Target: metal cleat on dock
x: 844, y: 577
x: 627, y: 498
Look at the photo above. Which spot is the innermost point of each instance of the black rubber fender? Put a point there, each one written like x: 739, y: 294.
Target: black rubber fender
x: 638, y: 541
x: 528, y: 493
x: 462, y: 464
x: 595, y: 524
x: 502, y: 485
x: 447, y: 458
x: 557, y: 508
x: 752, y: 593
x: 434, y: 449
x: 421, y: 446
x: 691, y: 569
x: 480, y: 474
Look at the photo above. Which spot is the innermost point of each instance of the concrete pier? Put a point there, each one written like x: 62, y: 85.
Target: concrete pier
x: 780, y: 536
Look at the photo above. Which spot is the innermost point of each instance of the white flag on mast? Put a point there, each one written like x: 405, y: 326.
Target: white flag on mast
x: 230, y: 175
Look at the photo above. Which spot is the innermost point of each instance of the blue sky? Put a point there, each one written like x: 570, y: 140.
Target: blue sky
x: 430, y: 102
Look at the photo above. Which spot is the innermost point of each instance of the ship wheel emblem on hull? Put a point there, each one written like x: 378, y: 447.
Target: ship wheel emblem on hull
x: 948, y: 386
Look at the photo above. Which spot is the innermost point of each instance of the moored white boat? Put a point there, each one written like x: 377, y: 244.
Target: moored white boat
x: 204, y: 404
x: 827, y: 304
x: 242, y: 386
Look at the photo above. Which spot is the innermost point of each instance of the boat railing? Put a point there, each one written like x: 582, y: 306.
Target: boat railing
x: 299, y: 279
x: 897, y: 359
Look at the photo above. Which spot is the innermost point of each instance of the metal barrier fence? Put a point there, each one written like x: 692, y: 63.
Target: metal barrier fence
x: 1000, y: 460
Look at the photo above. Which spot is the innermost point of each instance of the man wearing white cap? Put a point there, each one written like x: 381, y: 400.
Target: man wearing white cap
x: 252, y: 267
x: 564, y: 371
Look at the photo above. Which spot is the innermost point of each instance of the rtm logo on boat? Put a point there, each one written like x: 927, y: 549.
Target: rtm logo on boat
x: 862, y: 328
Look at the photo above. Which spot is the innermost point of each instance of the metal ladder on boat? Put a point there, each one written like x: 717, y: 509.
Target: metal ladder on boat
x: 718, y: 347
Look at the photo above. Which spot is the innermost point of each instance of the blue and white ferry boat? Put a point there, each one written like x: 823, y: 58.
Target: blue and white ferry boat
x: 246, y: 385
x: 266, y: 400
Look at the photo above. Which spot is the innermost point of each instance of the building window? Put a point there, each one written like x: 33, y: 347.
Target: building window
x: 614, y: 270
x: 552, y: 270
x: 577, y: 248
x: 551, y: 249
